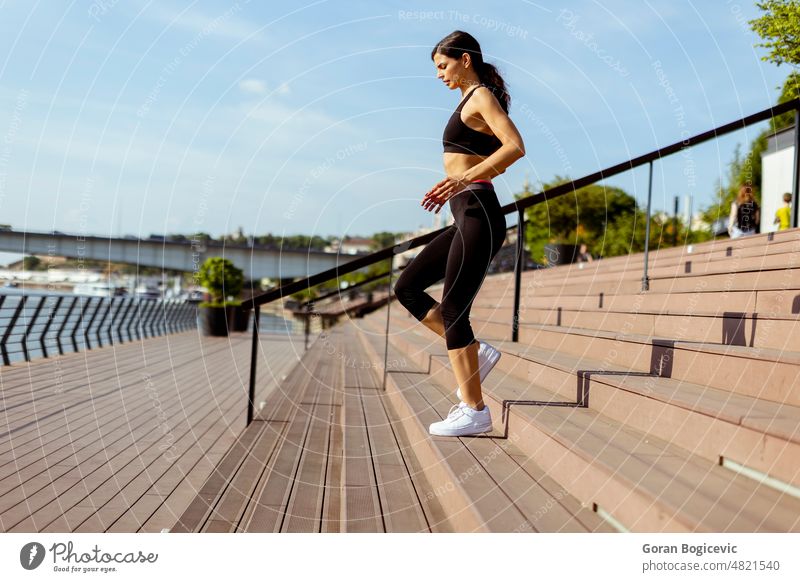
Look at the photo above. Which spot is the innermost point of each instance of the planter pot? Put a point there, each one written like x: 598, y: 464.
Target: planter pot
x: 241, y: 318
x: 214, y: 320
x: 560, y: 254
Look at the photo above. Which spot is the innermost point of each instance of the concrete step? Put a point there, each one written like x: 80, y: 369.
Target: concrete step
x: 484, y: 484
x: 783, y: 279
x: 707, y: 422
x: 771, y: 257
x: 730, y: 328
x: 758, y: 373
x: 645, y: 483
x: 676, y: 303
x: 765, y: 245
x: 768, y: 374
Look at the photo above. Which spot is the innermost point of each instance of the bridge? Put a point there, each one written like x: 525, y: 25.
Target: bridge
x: 257, y: 261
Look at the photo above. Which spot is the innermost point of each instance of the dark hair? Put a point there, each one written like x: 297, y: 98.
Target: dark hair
x: 459, y: 42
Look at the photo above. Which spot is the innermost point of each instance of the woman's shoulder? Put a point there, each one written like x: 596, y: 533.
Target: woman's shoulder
x: 483, y: 91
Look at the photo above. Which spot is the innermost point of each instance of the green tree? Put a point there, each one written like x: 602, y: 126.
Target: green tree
x: 779, y: 27
x: 578, y: 217
x: 31, y: 263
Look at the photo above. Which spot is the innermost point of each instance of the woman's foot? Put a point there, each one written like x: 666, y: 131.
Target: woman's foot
x: 463, y: 420
x: 488, y: 356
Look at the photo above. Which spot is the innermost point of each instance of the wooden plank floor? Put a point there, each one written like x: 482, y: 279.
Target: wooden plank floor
x: 325, y: 455
x: 121, y: 438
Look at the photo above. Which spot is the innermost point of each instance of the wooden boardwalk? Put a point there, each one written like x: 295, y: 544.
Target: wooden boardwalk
x: 331, y: 454
x: 327, y: 455
x: 121, y: 438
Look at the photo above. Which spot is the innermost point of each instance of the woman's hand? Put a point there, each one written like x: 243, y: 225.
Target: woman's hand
x: 442, y: 192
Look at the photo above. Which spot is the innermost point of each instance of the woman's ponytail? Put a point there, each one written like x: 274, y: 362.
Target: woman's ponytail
x: 491, y: 77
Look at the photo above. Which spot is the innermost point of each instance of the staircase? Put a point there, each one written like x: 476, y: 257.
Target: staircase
x: 677, y: 409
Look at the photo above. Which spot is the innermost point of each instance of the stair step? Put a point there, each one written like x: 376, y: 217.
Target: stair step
x: 762, y: 373
x: 708, y: 422
x: 644, y: 482
x: 728, y: 328
x: 484, y: 484
x: 378, y: 492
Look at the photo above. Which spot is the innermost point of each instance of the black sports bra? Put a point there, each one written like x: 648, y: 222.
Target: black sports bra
x: 460, y: 138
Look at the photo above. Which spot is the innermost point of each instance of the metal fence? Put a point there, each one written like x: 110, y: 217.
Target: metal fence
x: 33, y: 326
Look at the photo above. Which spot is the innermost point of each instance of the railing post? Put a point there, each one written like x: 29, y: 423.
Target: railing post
x: 64, y: 325
x: 85, y: 303
x: 110, y: 302
x: 121, y: 324
x: 113, y: 325
x: 388, y: 311
x: 136, y: 319
x: 169, y: 315
x: 645, y: 277
x: 519, y: 264
x: 10, y: 328
x: 796, y: 176
x: 91, y: 321
x: 308, y: 321
x: 39, y: 306
x: 50, y: 318
x: 253, y: 354
x: 147, y: 323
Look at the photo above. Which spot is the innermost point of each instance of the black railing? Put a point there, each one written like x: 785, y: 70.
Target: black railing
x: 41, y: 325
x: 519, y: 207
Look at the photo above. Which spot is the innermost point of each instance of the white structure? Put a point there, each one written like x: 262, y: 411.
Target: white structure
x: 777, y: 167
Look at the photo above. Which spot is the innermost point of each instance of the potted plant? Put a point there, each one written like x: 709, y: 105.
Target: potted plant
x: 224, y: 282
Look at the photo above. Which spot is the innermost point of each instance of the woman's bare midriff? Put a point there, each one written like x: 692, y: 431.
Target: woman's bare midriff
x: 456, y: 164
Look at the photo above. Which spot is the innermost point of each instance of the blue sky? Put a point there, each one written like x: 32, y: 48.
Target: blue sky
x: 140, y: 117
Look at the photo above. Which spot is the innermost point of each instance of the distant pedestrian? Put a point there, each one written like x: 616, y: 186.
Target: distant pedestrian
x: 783, y: 216
x: 584, y: 256
x: 745, y: 214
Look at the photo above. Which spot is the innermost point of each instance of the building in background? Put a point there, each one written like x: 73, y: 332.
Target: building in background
x: 777, y: 167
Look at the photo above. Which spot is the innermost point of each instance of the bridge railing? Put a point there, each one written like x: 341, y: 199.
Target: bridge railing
x: 33, y: 326
x: 518, y: 207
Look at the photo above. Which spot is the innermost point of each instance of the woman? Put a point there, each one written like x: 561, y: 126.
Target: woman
x: 745, y: 214
x: 480, y: 142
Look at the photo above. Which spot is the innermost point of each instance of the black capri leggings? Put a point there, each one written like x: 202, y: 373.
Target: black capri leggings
x: 461, y: 255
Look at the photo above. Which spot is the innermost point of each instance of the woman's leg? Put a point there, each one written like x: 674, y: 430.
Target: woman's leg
x: 427, y: 268
x: 480, y: 235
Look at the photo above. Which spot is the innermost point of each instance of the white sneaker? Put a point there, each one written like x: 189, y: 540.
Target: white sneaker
x: 463, y: 420
x: 488, y: 356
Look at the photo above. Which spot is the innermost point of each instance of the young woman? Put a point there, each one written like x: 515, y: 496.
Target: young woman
x: 480, y: 142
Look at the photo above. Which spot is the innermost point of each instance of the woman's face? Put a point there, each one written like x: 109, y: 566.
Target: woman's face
x: 449, y: 70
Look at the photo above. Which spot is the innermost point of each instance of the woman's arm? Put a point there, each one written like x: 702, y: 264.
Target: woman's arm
x: 512, y: 149
x: 501, y: 125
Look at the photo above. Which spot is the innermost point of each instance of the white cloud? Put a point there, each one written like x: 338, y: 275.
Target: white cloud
x: 255, y: 86
x: 260, y: 87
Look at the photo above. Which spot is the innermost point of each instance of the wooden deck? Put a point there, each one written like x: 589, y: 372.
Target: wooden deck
x: 331, y: 454
x: 121, y: 438
x: 325, y: 456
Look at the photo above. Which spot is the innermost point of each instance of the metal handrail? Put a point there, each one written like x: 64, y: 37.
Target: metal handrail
x: 519, y: 207
x: 35, y: 320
